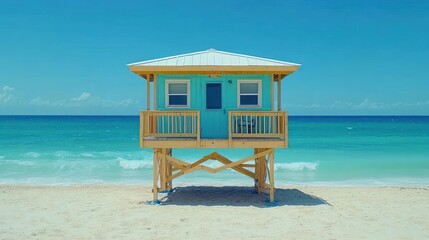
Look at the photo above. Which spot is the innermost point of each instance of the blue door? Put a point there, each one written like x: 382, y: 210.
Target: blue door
x: 213, y: 112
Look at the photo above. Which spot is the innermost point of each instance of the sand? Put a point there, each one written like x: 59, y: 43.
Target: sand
x: 121, y: 212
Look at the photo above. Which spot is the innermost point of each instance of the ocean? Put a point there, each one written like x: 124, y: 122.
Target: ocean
x: 323, y: 150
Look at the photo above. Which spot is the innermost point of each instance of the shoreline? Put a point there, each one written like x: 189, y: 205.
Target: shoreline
x: 370, y: 183
x: 230, y: 212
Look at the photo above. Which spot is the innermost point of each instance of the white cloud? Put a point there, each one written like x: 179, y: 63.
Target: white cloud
x: 416, y: 104
x: 83, y: 97
x: 111, y: 103
x: 364, y: 104
x: 6, y: 94
x: 46, y: 102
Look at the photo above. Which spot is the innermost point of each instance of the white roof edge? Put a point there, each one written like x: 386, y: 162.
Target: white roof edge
x: 166, y: 58
x: 260, y: 58
x: 215, y: 51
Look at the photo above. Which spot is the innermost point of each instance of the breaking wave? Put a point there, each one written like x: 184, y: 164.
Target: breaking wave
x: 19, y: 162
x: 133, y: 164
x: 297, y: 166
x: 33, y: 154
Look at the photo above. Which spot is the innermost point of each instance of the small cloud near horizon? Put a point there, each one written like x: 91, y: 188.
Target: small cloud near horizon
x: 83, y: 100
x: 365, y: 104
x: 6, y: 94
x: 83, y: 97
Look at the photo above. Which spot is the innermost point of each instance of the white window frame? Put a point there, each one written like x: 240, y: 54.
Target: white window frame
x: 259, y: 82
x: 188, y: 94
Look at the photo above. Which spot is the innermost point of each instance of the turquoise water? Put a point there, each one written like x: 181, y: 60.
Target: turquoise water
x: 62, y: 150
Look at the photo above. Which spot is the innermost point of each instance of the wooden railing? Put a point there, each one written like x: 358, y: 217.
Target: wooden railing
x: 170, y: 124
x: 251, y: 124
x: 155, y: 125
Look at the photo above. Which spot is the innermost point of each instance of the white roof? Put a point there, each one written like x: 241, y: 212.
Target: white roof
x: 212, y: 57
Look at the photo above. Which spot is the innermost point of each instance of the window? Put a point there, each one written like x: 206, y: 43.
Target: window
x: 249, y: 93
x: 177, y: 93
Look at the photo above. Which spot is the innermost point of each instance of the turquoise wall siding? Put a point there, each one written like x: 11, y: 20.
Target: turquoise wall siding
x: 214, y: 123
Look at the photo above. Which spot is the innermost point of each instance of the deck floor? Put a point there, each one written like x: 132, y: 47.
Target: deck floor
x: 192, y: 142
x: 210, y: 139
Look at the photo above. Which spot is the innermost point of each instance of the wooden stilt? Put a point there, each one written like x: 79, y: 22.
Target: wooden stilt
x: 155, y: 174
x: 257, y: 171
x: 262, y: 171
x: 169, y: 170
x: 162, y: 170
x: 271, y: 159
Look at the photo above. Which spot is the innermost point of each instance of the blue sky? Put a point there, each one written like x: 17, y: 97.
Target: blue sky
x: 358, y: 57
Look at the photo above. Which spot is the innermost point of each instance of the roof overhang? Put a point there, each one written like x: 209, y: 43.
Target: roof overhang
x: 281, y: 70
x: 213, y: 62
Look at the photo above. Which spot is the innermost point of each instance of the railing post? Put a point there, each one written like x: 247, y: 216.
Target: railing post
x: 286, y: 133
x: 141, y: 128
x: 229, y: 129
x: 198, y: 128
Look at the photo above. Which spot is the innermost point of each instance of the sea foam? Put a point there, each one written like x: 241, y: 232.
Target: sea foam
x: 20, y: 162
x: 296, y: 166
x: 33, y: 154
x: 133, y: 164
x: 88, y: 155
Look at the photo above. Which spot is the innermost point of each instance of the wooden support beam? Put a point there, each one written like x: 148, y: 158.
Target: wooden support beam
x: 202, y: 160
x: 233, y: 164
x: 237, y: 168
x: 256, y: 178
x: 230, y: 127
x: 199, y: 167
x: 271, y: 159
x: 178, y: 163
x: 272, y: 92
x: 247, y: 165
x: 163, y: 174
x: 148, y: 92
x: 263, y: 165
x: 142, y: 126
x: 198, y: 129
x: 279, y: 94
x: 155, y: 175
x: 263, y: 190
x: 175, y: 175
x: 154, y: 91
x: 169, y: 170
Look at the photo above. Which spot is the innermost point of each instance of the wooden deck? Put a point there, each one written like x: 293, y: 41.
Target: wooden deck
x: 183, y: 142
x: 181, y: 129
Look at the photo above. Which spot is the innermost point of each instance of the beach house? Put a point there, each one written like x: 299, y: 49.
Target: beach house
x: 213, y: 99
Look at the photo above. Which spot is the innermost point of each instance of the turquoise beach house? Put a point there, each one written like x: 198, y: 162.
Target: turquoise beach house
x: 212, y: 99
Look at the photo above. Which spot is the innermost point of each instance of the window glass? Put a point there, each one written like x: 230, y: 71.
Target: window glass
x: 249, y: 88
x: 249, y: 100
x: 177, y: 88
x: 178, y: 100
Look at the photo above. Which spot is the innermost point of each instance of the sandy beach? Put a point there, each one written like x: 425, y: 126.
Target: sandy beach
x: 122, y: 212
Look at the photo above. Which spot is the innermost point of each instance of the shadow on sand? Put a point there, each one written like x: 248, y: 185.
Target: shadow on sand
x: 236, y: 196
